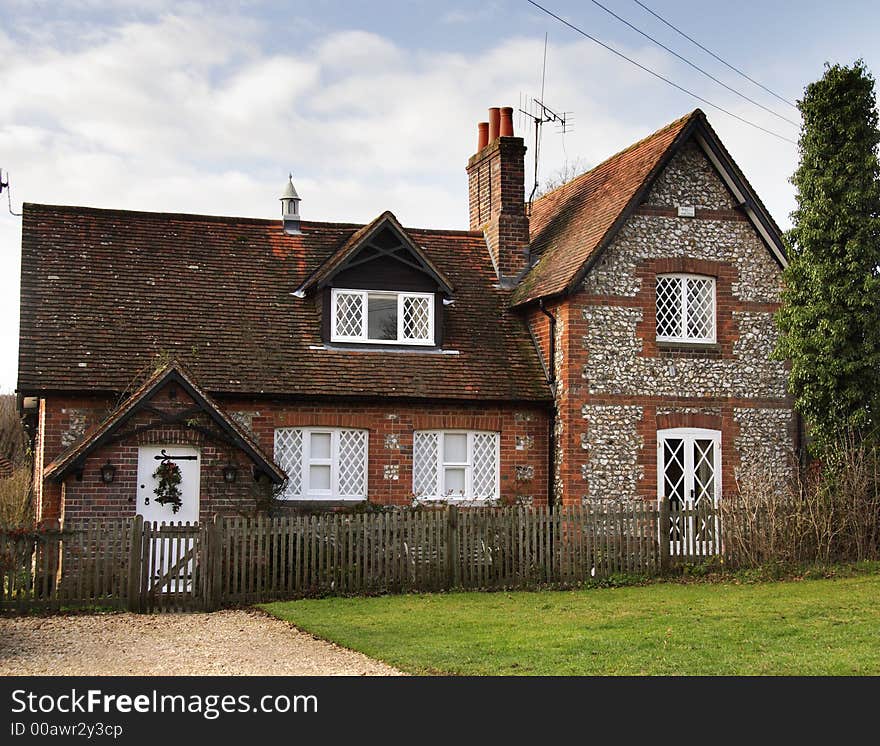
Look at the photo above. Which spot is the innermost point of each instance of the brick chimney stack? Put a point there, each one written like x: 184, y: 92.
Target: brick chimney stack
x: 496, y: 194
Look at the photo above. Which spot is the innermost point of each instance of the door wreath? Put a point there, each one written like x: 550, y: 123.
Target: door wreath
x: 168, y: 488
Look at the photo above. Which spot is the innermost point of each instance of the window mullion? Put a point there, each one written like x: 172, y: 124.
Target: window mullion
x: 688, y: 441
x: 400, y: 301
x: 364, y: 320
x: 306, y: 459
x: 469, y: 468
x: 441, y: 472
x: 684, y: 308
x: 334, y: 461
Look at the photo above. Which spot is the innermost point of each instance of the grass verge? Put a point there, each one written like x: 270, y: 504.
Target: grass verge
x: 813, y: 627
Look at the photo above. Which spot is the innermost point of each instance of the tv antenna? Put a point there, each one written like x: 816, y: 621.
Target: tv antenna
x: 536, y: 114
x: 5, y: 185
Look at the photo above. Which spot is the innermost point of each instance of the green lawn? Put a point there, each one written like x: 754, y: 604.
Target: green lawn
x: 806, y: 627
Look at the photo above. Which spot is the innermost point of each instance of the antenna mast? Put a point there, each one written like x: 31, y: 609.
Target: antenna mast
x: 541, y: 114
x: 5, y: 185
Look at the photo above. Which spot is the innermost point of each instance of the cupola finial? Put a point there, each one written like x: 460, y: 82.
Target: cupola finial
x: 290, y: 208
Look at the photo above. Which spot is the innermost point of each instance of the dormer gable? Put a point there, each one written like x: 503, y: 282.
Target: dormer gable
x: 381, y: 255
x: 380, y: 288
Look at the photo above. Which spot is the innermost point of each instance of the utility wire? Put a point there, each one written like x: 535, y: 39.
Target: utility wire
x: 693, y: 64
x: 711, y: 53
x: 659, y: 76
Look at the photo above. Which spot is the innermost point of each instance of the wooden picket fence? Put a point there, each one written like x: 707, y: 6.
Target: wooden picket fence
x: 147, y: 567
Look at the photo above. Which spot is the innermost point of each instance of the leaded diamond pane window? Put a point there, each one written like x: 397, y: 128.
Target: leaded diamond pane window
x: 352, y: 463
x: 685, y: 308
x: 455, y: 465
x: 322, y: 463
x: 381, y: 317
x: 425, y: 464
x: 288, y: 455
x: 349, y: 316
x: 417, y: 317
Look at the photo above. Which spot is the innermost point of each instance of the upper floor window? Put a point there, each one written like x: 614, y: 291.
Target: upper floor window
x: 322, y: 463
x: 382, y: 317
x: 455, y: 465
x: 685, y: 308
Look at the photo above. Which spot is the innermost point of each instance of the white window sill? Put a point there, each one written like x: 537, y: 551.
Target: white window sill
x: 398, y: 349
x: 674, y: 341
x: 459, y: 501
x: 321, y: 498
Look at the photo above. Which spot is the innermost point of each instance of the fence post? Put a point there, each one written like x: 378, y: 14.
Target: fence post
x: 135, y: 553
x: 452, y: 553
x: 663, y: 533
x: 213, y: 555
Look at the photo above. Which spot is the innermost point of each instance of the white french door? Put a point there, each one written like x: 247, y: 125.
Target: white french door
x: 689, y: 477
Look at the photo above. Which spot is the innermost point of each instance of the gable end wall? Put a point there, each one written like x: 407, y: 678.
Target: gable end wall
x: 618, y: 386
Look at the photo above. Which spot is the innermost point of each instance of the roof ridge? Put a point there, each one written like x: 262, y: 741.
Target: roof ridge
x: 619, y: 153
x: 235, y: 218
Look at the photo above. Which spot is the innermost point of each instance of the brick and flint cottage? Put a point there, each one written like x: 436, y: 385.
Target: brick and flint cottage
x: 611, y: 340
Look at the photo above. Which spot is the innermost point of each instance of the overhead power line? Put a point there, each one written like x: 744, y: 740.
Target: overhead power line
x: 693, y: 64
x: 711, y: 53
x: 659, y: 76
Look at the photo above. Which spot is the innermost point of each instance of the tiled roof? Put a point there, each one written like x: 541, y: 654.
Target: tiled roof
x: 570, y: 223
x: 92, y: 439
x: 107, y: 292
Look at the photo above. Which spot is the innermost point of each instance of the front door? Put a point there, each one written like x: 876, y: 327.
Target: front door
x: 689, y: 477
x: 188, y: 460
x: 171, y: 555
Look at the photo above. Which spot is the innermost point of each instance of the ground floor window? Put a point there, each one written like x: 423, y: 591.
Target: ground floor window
x: 689, y: 477
x: 322, y: 463
x: 455, y: 464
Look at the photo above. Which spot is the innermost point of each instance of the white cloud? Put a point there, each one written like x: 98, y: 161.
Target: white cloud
x: 186, y: 113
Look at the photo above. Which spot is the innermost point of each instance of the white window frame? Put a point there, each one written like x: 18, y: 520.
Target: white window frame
x: 684, y: 308
x: 306, y: 461
x: 441, y: 465
x: 402, y: 295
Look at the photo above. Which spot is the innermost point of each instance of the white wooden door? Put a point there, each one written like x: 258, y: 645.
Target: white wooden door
x: 188, y: 459
x: 689, y: 476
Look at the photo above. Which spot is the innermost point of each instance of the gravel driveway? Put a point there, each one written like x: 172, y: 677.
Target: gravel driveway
x: 221, y: 643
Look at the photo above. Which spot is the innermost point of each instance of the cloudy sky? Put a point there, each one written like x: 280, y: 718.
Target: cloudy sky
x: 204, y: 107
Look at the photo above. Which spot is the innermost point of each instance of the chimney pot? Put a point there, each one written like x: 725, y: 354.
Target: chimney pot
x: 494, y: 123
x: 482, y: 135
x: 506, y: 128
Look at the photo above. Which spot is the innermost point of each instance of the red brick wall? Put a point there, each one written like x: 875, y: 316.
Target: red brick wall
x: 523, y: 449
x: 522, y: 426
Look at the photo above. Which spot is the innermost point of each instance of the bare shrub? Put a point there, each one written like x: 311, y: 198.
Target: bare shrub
x: 16, y: 507
x: 568, y: 171
x: 13, y: 439
x: 817, y: 515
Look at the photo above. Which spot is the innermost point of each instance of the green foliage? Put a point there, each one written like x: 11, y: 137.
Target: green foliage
x: 830, y: 319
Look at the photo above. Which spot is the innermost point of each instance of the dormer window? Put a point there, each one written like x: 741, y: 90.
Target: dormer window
x: 382, y: 317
